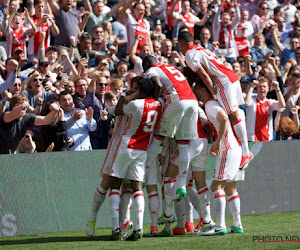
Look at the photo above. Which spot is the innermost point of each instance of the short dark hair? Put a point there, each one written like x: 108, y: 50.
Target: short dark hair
x: 63, y: 93
x: 185, y: 36
x: 146, y: 86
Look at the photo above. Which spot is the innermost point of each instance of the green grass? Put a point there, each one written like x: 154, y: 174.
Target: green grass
x: 277, y: 224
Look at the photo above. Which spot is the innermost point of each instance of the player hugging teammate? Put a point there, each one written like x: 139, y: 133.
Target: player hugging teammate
x: 160, y: 137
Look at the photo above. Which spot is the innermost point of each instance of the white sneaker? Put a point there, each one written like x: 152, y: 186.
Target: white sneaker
x: 207, y: 226
x: 90, y: 228
x: 215, y: 231
x: 125, y: 228
x: 169, y: 219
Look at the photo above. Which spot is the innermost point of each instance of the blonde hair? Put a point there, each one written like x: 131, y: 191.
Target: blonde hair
x: 117, y: 83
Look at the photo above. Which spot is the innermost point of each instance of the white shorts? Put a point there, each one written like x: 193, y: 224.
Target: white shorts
x: 230, y: 97
x: 198, y: 150
x: 179, y: 120
x: 153, y: 173
x: 114, y: 141
x: 240, y: 176
x: 227, y: 164
x: 130, y: 164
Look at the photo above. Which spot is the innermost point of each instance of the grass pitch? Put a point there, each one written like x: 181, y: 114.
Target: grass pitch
x: 260, y: 233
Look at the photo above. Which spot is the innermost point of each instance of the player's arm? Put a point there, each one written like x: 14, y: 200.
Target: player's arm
x: 222, y: 119
x: 206, y: 79
x: 157, y: 87
x: 119, y: 108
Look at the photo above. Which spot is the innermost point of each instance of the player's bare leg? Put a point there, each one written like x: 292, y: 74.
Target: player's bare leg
x: 234, y: 202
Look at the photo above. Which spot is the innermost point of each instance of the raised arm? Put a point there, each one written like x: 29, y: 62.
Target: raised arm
x: 124, y: 9
x: 54, y: 6
x: 132, y: 51
x: 116, y: 8
x: 249, y: 93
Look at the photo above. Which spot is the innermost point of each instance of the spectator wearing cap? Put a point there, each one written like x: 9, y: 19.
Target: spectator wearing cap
x: 20, y: 57
x: 44, y: 24
x: 44, y: 70
x: 97, y: 14
x: 52, y: 54
x: 245, y: 84
x: 241, y: 42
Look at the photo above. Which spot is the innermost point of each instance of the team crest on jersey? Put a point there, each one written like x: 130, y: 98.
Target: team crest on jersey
x: 266, y: 109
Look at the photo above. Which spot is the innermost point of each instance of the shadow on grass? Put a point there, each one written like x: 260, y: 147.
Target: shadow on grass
x: 58, y: 239
x: 54, y: 239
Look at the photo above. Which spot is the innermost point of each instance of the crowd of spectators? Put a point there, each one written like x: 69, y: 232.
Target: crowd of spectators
x: 75, y: 57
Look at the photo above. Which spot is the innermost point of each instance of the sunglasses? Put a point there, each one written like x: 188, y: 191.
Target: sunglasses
x: 245, y: 83
x: 16, y: 84
x: 38, y: 79
x: 103, y: 84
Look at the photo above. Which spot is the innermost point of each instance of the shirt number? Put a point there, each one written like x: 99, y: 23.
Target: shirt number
x: 151, y: 120
x: 176, y: 73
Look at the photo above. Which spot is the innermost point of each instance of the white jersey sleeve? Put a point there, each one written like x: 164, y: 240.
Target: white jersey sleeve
x: 131, y: 108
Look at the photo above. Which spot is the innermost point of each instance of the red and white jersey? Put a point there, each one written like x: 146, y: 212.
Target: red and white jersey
x: 175, y: 86
x: 242, y: 46
x: 135, y: 28
x: 188, y: 20
x: 143, y: 116
x: 197, y: 56
x: 202, y: 120
x: 35, y: 40
x: 16, y: 40
x: 259, y: 119
x: 229, y: 140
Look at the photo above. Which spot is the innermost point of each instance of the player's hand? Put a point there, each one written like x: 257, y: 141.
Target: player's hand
x: 215, y: 149
x: 78, y: 114
x: 161, y: 159
x: 89, y: 113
